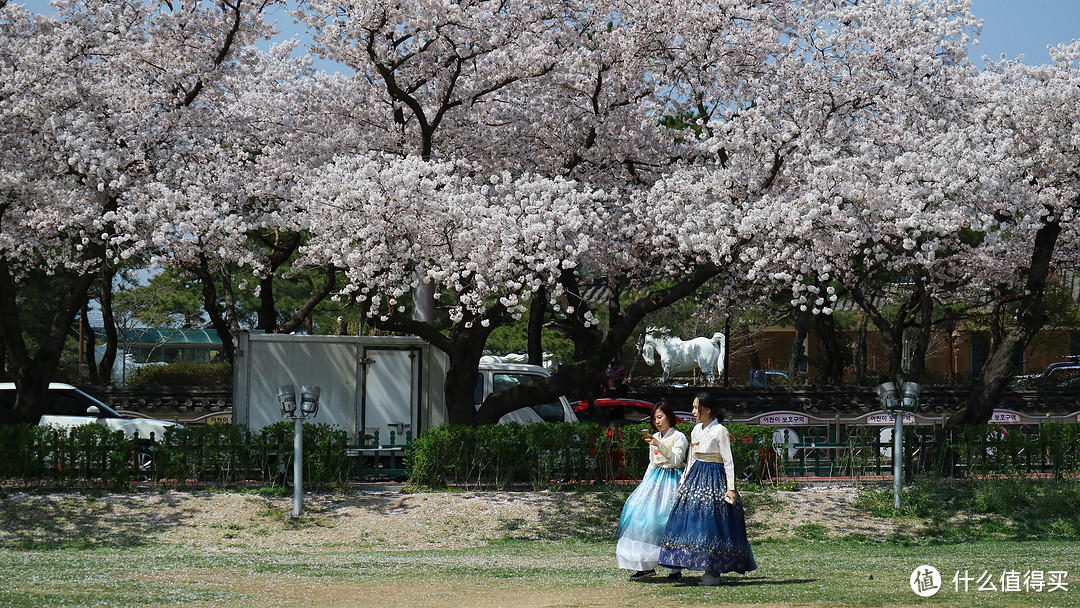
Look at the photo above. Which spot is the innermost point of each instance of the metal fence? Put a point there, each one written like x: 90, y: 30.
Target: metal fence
x: 863, y: 447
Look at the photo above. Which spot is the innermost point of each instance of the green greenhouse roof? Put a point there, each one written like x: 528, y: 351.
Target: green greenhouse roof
x: 150, y: 335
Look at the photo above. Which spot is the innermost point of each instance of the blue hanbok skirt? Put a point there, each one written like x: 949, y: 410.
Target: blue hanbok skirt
x: 704, y: 532
x: 644, y: 519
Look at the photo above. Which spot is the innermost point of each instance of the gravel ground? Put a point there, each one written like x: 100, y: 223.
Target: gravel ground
x: 384, y: 517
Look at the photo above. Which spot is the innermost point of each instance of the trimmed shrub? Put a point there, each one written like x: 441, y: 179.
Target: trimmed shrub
x: 499, y: 456
x: 182, y: 373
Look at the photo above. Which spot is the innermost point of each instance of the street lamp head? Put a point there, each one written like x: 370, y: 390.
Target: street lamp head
x: 888, y: 396
x: 286, y: 395
x: 909, y: 396
x: 309, y: 400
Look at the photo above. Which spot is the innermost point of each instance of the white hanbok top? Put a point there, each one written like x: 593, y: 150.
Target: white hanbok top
x: 671, y: 453
x: 711, y: 443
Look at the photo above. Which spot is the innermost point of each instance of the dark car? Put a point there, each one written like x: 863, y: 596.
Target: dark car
x: 768, y: 377
x: 620, y: 411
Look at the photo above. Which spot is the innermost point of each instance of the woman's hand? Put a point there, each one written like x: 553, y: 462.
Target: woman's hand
x: 731, y: 496
x: 649, y: 439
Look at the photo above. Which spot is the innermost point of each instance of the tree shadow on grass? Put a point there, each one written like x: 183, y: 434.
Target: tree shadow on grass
x: 77, y: 521
x: 587, y: 516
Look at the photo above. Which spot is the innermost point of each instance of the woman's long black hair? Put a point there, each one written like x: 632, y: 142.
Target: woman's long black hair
x: 665, y: 407
x: 705, y: 400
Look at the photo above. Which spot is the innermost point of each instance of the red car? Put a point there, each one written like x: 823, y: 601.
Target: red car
x: 619, y: 411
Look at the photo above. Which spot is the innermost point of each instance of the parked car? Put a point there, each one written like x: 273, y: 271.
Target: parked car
x: 67, y: 406
x: 620, y: 411
x: 1062, y: 373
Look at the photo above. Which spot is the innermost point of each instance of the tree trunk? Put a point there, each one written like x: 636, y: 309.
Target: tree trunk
x: 586, y: 337
x: 461, y: 375
x: 798, y: 361
x: 213, y: 308
x: 892, y: 330
x: 32, y: 373
x: 614, y: 310
x: 112, y: 338
x: 267, y: 313
x: 1000, y: 366
x: 755, y: 357
x: 926, y: 327
x: 304, y: 314
x: 860, y: 352
x: 537, y: 312
x: 831, y: 370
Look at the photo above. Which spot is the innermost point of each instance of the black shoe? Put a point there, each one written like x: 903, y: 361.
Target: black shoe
x: 640, y: 574
x: 674, y: 576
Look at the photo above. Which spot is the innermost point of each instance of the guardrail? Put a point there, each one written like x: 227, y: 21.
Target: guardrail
x: 863, y: 446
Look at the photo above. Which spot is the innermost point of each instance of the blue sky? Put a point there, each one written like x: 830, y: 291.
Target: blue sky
x: 1012, y: 27
x: 1026, y: 27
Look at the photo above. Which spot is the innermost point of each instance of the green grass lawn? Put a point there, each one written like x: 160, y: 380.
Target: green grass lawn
x: 567, y: 572
x: 64, y: 557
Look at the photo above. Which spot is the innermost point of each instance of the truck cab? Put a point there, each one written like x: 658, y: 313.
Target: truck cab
x: 498, y: 376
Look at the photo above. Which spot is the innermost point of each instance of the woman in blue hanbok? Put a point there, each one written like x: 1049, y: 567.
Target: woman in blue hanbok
x: 707, y: 527
x: 645, y: 514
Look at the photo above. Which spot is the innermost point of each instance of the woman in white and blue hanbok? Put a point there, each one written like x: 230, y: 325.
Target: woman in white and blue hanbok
x: 645, y: 514
x: 707, y: 527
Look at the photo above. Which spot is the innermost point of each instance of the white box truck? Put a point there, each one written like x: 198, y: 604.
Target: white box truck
x: 368, y: 383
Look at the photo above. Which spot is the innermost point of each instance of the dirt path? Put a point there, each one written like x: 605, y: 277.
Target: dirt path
x: 386, y: 518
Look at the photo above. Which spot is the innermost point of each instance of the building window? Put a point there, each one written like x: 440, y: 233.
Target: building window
x: 980, y: 351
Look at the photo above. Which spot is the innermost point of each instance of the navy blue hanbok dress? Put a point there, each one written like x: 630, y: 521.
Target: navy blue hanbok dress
x: 704, y: 532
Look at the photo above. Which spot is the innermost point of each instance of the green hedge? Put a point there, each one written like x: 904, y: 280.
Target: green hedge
x: 227, y: 454
x: 90, y: 452
x: 494, y: 456
x: 182, y: 373
x: 503, y: 455
x: 217, y: 454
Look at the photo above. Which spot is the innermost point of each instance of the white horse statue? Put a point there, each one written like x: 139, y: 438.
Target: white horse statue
x: 677, y: 355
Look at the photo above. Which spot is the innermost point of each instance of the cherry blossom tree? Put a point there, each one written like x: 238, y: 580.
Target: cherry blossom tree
x: 93, y: 105
x: 471, y: 83
x: 229, y: 219
x: 1028, y: 116
x: 860, y: 201
x: 488, y: 108
x: 496, y: 153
